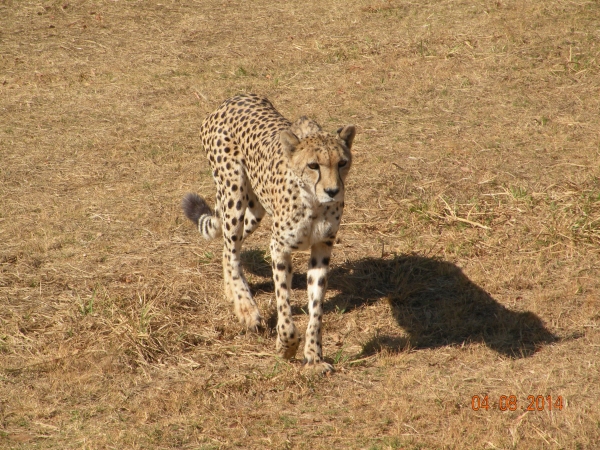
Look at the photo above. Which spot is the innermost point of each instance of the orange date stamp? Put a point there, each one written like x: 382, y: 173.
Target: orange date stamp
x: 511, y: 403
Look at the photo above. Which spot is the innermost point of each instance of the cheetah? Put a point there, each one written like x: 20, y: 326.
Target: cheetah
x: 295, y: 172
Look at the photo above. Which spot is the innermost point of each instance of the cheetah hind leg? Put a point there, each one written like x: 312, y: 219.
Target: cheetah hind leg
x: 197, y: 210
x: 253, y: 215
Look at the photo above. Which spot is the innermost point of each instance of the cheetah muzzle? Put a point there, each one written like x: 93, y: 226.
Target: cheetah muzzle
x: 295, y: 172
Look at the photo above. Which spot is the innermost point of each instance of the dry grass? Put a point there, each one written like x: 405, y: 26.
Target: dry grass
x: 469, y: 260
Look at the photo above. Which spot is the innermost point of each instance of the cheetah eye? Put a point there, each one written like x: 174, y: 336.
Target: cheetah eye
x: 342, y: 163
x: 313, y: 166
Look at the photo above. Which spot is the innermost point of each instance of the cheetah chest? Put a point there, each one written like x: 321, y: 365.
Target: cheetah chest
x: 319, y: 225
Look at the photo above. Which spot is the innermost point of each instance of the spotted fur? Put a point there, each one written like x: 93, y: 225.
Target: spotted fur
x: 262, y: 163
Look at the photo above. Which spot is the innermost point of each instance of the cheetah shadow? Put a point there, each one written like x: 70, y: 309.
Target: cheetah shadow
x: 432, y: 300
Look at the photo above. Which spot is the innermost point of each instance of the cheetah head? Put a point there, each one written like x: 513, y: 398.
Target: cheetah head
x: 321, y: 161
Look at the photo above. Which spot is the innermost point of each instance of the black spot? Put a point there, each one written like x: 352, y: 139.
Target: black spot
x: 238, y: 205
x: 321, y: 281
x: 313, y: 262
x: 309, y: 280
x: 281, y: 266
x: 326, y: 261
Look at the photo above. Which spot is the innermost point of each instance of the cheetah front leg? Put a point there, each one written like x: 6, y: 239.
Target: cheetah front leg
x: 288, y: 339
x: 318, y: 267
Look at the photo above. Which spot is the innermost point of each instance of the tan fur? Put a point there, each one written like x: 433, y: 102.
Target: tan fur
x: 295, y: 172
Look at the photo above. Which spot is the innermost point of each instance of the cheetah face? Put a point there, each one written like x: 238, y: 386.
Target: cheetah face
x: 321, y: 161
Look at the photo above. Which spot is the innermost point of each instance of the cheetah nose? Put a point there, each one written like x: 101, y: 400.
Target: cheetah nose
x: 332, y: 192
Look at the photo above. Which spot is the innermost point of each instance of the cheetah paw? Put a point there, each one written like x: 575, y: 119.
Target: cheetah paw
x: 287, y: 350
x: 252, y: 322
x: 318, y: 368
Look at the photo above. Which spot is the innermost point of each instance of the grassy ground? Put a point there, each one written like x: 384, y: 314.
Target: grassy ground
x: 469, y: 261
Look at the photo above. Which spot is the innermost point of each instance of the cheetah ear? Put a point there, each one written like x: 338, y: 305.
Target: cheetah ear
x: 289, y: 141
x: 347, y: 134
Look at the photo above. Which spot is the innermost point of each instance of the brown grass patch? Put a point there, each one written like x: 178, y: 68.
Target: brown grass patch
x: 469, y: 260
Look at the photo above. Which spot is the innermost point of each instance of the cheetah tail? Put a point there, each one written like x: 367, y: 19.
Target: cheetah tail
x: 195, y: 207
x: 197, y: 210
